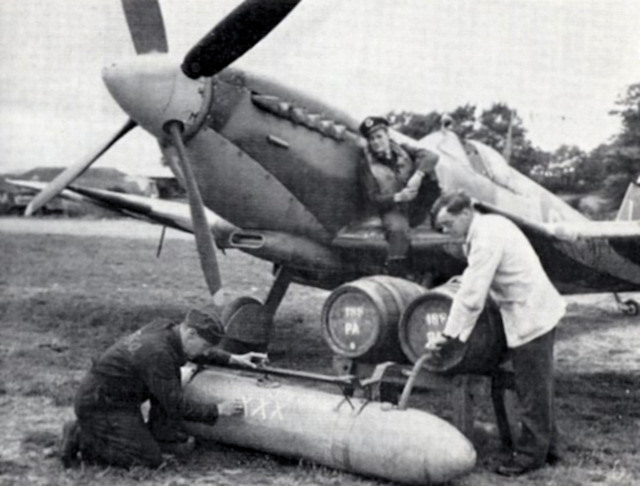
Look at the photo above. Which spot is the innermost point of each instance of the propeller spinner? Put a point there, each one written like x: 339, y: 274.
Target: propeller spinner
x: 161, y: 99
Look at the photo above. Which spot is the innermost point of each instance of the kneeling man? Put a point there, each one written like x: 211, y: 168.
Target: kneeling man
x: 146, y: 366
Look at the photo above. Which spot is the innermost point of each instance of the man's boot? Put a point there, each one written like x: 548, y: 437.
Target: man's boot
x: 70, y: 445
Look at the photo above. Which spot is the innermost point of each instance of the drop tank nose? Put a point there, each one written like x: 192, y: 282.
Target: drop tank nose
x: 152, y: 90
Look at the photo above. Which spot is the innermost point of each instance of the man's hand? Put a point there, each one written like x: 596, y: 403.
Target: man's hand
x: 415, y: 181
x: 249, y: 360
x: 230, y: 408
x: 405, y: 195
x: 411, y: 189
x: 436, y: 342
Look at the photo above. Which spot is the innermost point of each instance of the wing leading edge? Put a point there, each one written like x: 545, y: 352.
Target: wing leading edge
x: 173, y: 214
x: 571, y: 231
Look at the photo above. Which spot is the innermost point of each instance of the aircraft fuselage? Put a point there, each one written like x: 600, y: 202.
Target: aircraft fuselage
x: 269, y: 158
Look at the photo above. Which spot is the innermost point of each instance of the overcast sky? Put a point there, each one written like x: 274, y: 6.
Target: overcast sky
x: 560, y: 63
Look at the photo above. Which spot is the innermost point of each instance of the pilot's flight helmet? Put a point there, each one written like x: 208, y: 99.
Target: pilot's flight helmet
x: 371, y: 124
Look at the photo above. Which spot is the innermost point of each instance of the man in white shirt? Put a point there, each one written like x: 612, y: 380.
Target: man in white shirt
x: 502, y: 264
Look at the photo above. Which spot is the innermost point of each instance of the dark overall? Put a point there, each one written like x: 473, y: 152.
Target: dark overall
x: 142, y: 366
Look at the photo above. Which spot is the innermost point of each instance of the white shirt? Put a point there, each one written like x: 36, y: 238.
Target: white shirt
x: 502, y: 264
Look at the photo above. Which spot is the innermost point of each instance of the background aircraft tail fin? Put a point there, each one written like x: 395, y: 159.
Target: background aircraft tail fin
x: 630, y: 207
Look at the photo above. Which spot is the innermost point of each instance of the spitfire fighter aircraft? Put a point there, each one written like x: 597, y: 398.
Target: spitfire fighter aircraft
x: 273, y: 172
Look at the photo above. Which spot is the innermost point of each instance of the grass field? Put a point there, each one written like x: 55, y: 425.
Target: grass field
x: 64, y: 298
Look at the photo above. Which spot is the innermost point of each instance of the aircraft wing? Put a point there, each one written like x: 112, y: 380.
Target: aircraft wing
x: 572, y: 230
x: 431, y: 251
x: 173, y: 214
x: 369, y: 235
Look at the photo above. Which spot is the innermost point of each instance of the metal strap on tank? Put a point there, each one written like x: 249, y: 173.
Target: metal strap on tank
x: 342, y: 432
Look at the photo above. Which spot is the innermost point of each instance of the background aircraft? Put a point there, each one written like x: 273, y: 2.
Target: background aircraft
x: 272, y: 172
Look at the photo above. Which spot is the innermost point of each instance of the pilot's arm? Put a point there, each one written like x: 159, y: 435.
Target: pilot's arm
x: 425, y: 163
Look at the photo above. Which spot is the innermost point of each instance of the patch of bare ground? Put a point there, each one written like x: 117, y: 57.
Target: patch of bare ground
x: 65, y: 297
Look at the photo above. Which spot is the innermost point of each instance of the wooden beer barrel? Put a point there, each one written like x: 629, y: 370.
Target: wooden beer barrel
x: 426, y: 317
x: 360, y: 318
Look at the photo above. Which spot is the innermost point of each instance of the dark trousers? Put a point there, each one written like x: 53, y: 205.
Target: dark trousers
x: 163, y: 427
x: 119, y: 438
x: 396, y: 227
x: 535, y: 389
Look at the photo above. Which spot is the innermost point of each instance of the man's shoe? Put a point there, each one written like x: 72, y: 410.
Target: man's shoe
x: 70, y: 445
x: 517, y: 465
x: 553, y: 458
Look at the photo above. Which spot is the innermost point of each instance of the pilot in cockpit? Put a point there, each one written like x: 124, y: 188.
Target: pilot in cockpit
x: 391, y: 175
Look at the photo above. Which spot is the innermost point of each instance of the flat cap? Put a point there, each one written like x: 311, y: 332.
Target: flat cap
x: 207, y: 322
x: 372, y: 123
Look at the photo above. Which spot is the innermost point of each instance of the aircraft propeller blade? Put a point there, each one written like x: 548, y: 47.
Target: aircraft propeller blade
x: 71, y: 173
x: 201, y: 230
x: 238, y: 32
x: 146, y: 26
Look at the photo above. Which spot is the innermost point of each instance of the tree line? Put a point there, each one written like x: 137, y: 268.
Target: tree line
x: 605, y: 171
